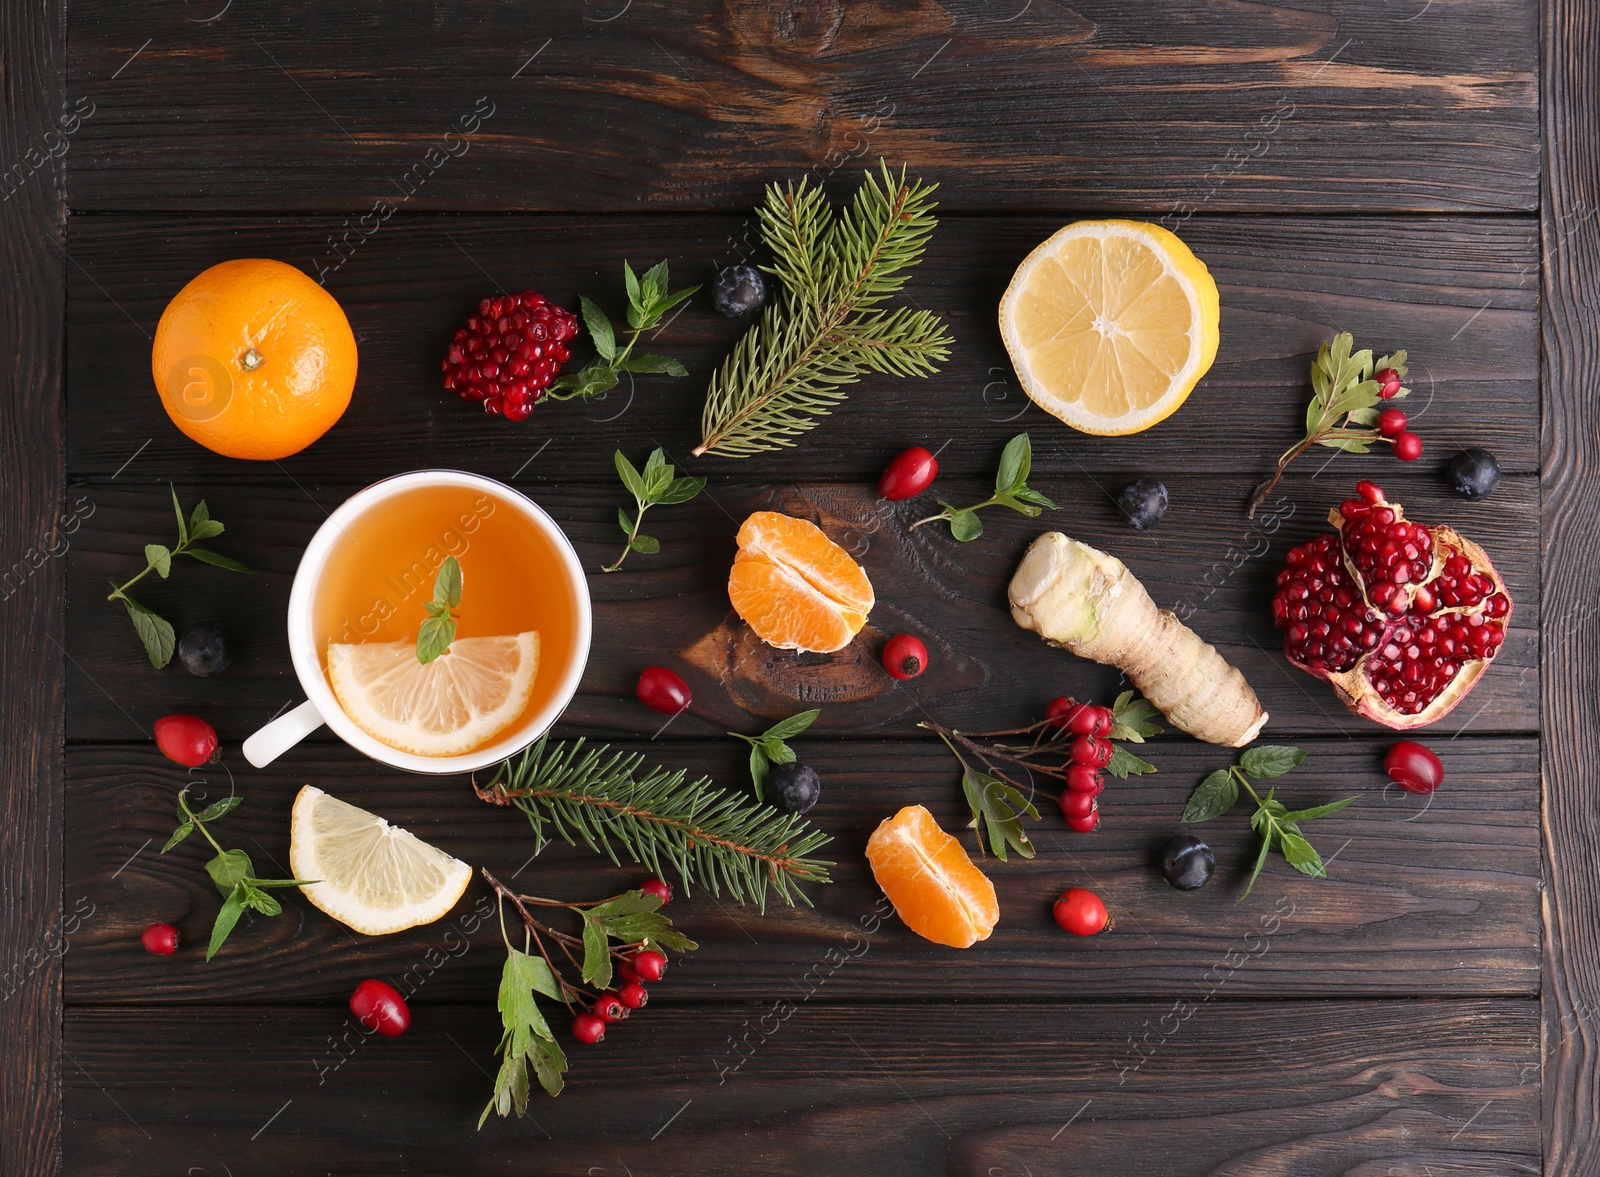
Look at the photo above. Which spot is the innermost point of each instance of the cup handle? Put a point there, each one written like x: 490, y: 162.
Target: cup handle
x: 282, y: 734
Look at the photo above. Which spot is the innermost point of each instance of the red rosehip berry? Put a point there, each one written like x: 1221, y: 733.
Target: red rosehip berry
x: 1085, y: 778
x: 1388, y: 382
x: 904, y: 656
x: 1084, y: 825
x: 379, y: 1006
x: 908, y: 475
x: 623, y: 969
x: 609, y: 1007
x: 1408, y: 447
x: 663, y: 690
x: 660, y: 888
x: 188, y: 739
x: 1081, y: 719
x: 1077, y: 805
x: 1080, y: 912
x: 1413, y: 767
x: 650, y: 965
x: 1391, y: 423
x: 632, y: 994
x: 588, y: 1028
x: 1091, y: 751
x: 160, y: 939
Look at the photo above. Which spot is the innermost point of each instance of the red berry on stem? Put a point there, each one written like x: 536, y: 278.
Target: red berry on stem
x: 1085, y: 778
x: 1408, y: 447
x: 1391, y: 423
x: 632, y: 994
x: 1091, y: 751
x: 1389, y: 382
x: 1080, y: 912
x: 650, y: 965
x: 908, y: 475
x: 623, y: 969
x: 659, y: 888
x: 904, y: 656
x: 188, y: 739
x: 663, y: 690
x: 1077, y: 805
x: 609, y: 1007
x: 1084, y: 825
x: 379, y: 1006
x: 1413, y: 767
x: 160, y: 939
x: 588, y: 1028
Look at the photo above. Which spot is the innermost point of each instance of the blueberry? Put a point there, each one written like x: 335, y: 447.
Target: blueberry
x: 204, y: 650
x: 793, y: 788
x: 739, y: 291
x: 1474, y: 473
x: 1143, y: 503
x: 1187, y: 862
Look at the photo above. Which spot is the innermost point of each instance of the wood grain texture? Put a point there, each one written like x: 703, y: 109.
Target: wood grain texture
x: 1437, y: 896
x: 1570, y: 517
x: 32, y: 573
x: 1458, y: 293
x: 590, y: 104
x: 985, y: 673
x: 1316, y: 1089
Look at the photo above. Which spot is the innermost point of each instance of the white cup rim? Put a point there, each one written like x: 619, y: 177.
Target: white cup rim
x: 308, y: 665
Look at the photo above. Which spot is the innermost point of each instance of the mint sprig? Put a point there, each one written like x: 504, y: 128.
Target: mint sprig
x: 655, y: 485
x: 154, y: 630
x: 1011, y: 489
x: 648, y: 302
x: 439, y: 630
x: 1277, y: 825
x: 771, y: 747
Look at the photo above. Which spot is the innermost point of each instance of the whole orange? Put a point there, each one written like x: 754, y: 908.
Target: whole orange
x: 254, y: 360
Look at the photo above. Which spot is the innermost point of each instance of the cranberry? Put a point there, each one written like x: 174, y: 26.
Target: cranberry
x: 1080, y: 912
x: 588, y: 1028
x: 1085, y: 778
x: 1088, y: 750
x: 1413, y: 767
x: 1389, y: 382
x: 1391, y: 423
x: 632, y: 994
x: 1084, y: 825
x: 650, y: 965
x: 1077, y: 805
x: 188, y: 739
x: 663, y: 690
x: 908, y: 475
x: 160, y: 939
x: 904, y: 656
x: 379, y: 1006
x: 609, y: 1007
x: 1408, y: 447
x: 660, y: 888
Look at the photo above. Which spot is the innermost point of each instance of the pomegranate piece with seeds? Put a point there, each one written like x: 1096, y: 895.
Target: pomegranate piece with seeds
x: 1400, y: 617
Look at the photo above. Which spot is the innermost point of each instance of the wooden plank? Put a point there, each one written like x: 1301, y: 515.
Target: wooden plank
x: 1571, y: 558
x: 1158, y: 107
x: 1309, y: 1088
x: 1437, y: 897
x: 986, y: 673
x: 35, y: 129
x: 1458, y: 293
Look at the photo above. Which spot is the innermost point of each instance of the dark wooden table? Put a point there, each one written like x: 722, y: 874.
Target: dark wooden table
x: 1421, y: 174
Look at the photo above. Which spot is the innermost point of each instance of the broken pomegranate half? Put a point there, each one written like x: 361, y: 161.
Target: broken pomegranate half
x: 1401, y: 618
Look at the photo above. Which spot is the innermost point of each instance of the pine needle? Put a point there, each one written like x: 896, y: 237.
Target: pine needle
x: 827, y: 329
x: 601, y: 799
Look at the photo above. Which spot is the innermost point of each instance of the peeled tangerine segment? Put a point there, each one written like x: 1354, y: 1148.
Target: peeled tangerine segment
x: 935, y: 888
x: 795, y: 587
x: 369, y: 875
x: 459, y: 701
x: 1110, y: 324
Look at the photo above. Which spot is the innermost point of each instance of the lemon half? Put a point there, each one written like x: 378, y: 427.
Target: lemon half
x: 1110, y: 325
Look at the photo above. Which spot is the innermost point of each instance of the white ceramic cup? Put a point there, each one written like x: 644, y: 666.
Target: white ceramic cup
x: 321, y: 707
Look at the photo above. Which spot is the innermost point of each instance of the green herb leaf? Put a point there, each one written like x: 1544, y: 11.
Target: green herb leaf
x: 1033, y: 501
x: 527, y: 1038
x: 631, y: 478
x: 997, y: 808
x: 596, y: 953
x: 206, y: 529
x: 631, y: 281
x: 1213, y: 797
x: 1255, y: 873
x: 624, y: 521
x: 1124, y: 764
x: 1301, y: 855
x: 760, y: 766
x: 229, y: 869
x: 232, y: 908
x: 220, y: 808
x: 649, y: 545
x: 680, y: 490
x: 259, y: 900
x: 153, y: 630
x: 605, y: 340
x: 788, y: 729
x: 447, y: 585
x: 206, y: 556
x: 183, y: 528
x: 649, y: 365
x: 178, y: 835
x: 1133, y: 718
x: 777, y: 751
x: 1295, y: 815
x: 1270, y: 760
x: 1016, y: 462
x: 965, y: 526
x: 434, y: 638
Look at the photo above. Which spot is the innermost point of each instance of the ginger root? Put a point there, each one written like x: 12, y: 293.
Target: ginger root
x: 1087, y: 602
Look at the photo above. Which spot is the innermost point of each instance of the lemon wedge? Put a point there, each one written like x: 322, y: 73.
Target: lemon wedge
x: 374, y: 877
x: 1110, y: 325
x: 459, y: 701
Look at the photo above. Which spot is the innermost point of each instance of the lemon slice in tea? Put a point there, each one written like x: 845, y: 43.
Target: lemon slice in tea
x: 459, y: 701
x: 372, y: 876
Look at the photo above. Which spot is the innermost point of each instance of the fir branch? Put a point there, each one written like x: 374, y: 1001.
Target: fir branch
x: 825, y: 331
x: 610, y: 802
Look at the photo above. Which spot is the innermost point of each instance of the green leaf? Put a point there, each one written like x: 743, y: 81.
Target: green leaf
x: 965, y: 526
x: 653, y: 285
x: 1016, y: 462
x: 200, y: 514
x: 1316, y: 812
x: 1133, y: 719
x: 596, y: 953
x: 1367, y: 416
x: 522, y: 976
x: 673, y: 299
x: 1301, y: 855
x: 605, y: 340
x: 159, y: 557
x: 205, y: 529
x: 153, y: 630
x: 649, y: 545
x: 1349, y: 445
x: 631, y: 281
x: 651, y: 926
x: 183, y: 529
x: 626, y: 904
x: 680, y: 490
x: 777, y: 751
x: 1255, y: 873
x: 549, y: 1063
x: 227, y: 917
x: 788, y: 729
x: 1213, y: 797
x: 760, y: 766
x: 278, y: 884
x: 206, y: 556
x: 651, y: 365
x: 258, y: 900
x: 1033, y: 498
x: 624, y: 521
x: 447, y: 585
x: 999, y: 807
x: 1266, y: 761
x: 1124, y: 764
x: 178, y: 835
x: 434, y: 638
x: 229, y: 869
x: 220, y: 808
